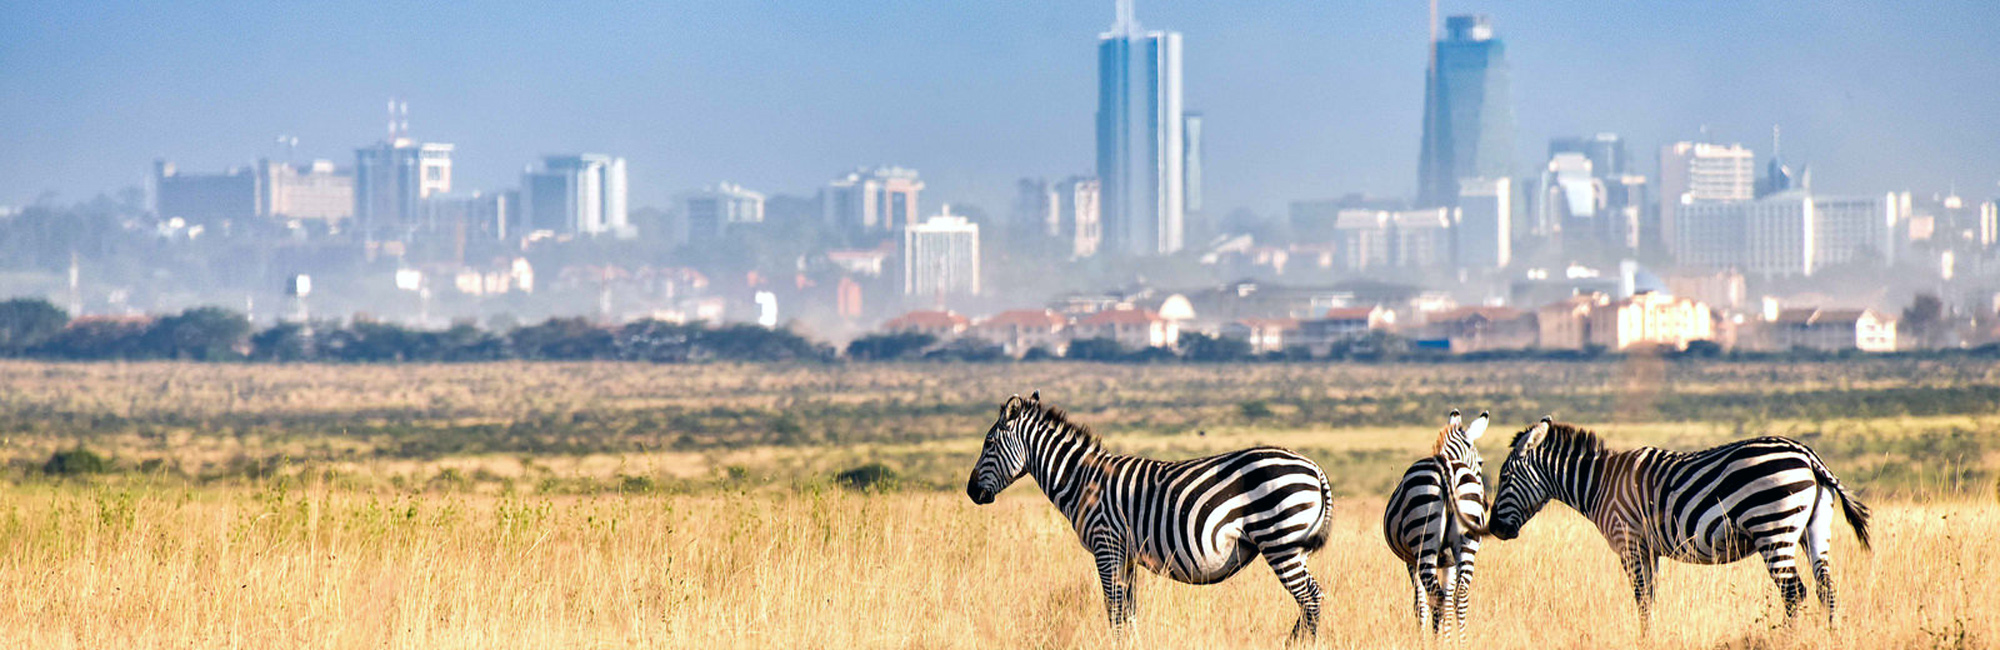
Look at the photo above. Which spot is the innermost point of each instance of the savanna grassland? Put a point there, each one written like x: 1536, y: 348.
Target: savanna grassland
x: 611, y: 505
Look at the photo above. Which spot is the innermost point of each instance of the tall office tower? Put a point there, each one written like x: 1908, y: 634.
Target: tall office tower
x: 582, y: 194
x: 1571, y: 200
x: 1141, y: 130
x: 1468, y: 112
x: 1606, y: 152
x: 1853, y: 230
x: 390, y: 179
x: 711, y: 212
x: 1483, y: 235
x: 204, y: 198
x: 879, y: 200
x: 1694, y: 173
x: 1191, y: 162
x: 1771, y: 237
x: 941, y: 256
x: 312, y: 191
x: 1079, y: 214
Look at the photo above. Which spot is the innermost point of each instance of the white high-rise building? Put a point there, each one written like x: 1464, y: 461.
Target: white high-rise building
x: 1142, y: 151
x: 1693, y: 173
x: 1790, y: 233
x: 1484, y: 232
x: 582, y: 194
x: 941, y: 257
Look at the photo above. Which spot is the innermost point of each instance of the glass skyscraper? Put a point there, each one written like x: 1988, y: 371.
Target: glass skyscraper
x: 1468, y: 115
x: 1141, y: 146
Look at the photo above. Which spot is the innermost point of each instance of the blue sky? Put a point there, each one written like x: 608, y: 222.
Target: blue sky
x: 1303, y: 99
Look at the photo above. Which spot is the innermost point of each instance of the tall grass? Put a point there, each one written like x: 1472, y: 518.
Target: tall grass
x: 101, y: 567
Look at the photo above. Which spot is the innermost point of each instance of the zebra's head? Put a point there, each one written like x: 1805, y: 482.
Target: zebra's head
x: 1455, y: 442
x: 1004, y: 457
x: 1525, y: 483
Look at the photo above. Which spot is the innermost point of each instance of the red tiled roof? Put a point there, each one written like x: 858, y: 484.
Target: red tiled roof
x: 1122, y: 317
x: 926, y: 319
x: 1494, y: 314
x: 1026, y: 318
x: 1350, y: 313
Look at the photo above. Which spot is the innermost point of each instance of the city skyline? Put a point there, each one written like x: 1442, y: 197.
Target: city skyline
x: 127, y: 83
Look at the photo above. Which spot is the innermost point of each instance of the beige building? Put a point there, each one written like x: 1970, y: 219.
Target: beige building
x: 1650, y: 319
x: 1565, y: 325
x: 313, y: 191
x: 1020, y: 330
x: 942, y: 324
x: 1480, y: 329
x: 1831, y: 330
x: 1263, y: 334
x: 1132, y: 328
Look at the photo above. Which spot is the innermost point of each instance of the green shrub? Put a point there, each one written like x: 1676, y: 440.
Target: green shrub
x: 77, y: 461
x: 872, y: 477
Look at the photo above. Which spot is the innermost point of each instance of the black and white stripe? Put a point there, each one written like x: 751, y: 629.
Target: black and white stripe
x: 1770, y: 496
x: 1434, y: 521
x: 1196, y: 521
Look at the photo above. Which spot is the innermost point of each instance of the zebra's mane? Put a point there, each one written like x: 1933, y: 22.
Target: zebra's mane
x: 1059, y: 417
x: 1444, y: 435
x: 1567, y: 436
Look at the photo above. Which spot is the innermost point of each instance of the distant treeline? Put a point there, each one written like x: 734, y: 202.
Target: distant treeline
x: 34, y: 328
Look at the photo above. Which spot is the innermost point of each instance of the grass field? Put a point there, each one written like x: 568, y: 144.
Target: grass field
x: 611, y: 505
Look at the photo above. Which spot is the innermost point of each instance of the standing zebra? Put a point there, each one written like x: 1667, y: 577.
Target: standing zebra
x: 1767, y: 495
x: 1196, y: 521
x: 1434, y: 521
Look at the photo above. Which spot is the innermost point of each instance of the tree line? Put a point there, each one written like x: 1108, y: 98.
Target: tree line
x: 34, y: 328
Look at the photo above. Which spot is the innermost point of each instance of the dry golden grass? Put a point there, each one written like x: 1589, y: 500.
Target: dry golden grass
x: 84, y: 567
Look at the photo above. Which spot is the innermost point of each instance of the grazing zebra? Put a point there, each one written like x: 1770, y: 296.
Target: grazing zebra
x: 1434, y: 521
x: 1767, y: 495
x: 1196, y: 521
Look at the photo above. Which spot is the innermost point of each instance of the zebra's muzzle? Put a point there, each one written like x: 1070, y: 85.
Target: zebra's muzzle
x: 979, y: 496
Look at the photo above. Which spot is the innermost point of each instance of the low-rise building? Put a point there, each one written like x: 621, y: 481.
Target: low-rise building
x: 1132, y: 328
x: 1342, y: 323
x: 1565, y: 324
x: 1020, y: 330
x: 1480, y: 329
x: 943, y: 324
x: 1263, y: 334
x: 1651, y: 318
x: 1831, y: 330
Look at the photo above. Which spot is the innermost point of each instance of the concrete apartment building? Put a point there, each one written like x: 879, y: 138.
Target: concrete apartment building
x: 1650, y: 318
x: 1693, y: 173
x: 1132, y: 328
x: 1020, y: 330
x: 708, y: 214
x: 941, y: 257
x: 878, y: 200
x: 1830, y: 330
x: 1565, y: 324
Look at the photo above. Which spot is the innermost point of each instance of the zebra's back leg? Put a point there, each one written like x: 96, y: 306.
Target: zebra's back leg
x: 1423, y: 600
x: 1290, y: 565
x: 1818, y: 540
x: 1433, y: 590
x: 1462, y: 594
x: 1781, y: 558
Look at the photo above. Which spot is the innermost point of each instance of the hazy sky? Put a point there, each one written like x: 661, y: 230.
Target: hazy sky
x: 1303, y: 99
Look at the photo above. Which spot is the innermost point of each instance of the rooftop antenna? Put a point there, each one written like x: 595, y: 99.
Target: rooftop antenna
x: 392, y: 119
x: 1434, y: 29
x: 1774, y: 141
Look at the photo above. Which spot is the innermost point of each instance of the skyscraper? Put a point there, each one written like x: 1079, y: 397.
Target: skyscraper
x: 582, y: 194
x: 1484, y: 233
x: 1141, y: 147
x: 1468, y: 112
x: 1693, y: 173
x: 391, y: 177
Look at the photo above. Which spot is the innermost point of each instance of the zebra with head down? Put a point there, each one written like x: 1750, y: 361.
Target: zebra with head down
x: 1769, y: 496
x: 1196, y: 521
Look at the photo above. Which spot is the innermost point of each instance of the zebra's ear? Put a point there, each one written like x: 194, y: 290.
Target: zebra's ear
x: 1455, y: 419
x: 1478, y: 427
x: 1035, y: 397
x: 1010, y: 407
x: 1534, y: 436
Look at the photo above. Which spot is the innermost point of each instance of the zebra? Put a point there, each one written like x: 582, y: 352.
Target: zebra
x: 1195, y: 521
x: 1432, y: 531
x: 1767, y: 495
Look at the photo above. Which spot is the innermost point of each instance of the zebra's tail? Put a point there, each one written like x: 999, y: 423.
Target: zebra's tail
x: 1856, y: 512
